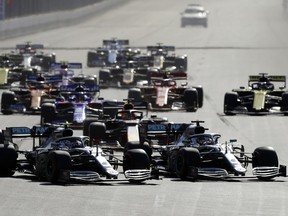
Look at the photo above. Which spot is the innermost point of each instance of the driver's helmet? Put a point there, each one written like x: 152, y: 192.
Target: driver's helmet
x: 266, y: 86
x: 76, y: 144
x: 79, y: 97
x: 127, y: 115
x: 204, y: 140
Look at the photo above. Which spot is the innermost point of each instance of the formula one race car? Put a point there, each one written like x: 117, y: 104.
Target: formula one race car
x: 29, y: 98
x: 261, y: 97
x: 160, y: 57
x: 164, y: 94
x: 61, y: 157
x: 27, y: 56
x: 112, y: 52
x: 127, y: 129
x: 197, y: 154
x: 127, y: 74
x: 5, y: 66
x: 77, y: 104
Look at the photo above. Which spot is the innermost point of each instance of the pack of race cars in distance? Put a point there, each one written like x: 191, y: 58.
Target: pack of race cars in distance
x: 266, y: 94
x: 128, y: 72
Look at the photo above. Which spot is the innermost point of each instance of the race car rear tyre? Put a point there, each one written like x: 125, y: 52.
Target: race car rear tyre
x: 135, y: 159
x: 40, y: 166
x: 86, y: 125
x: 91, y: 57
x: 187, y: 163
x: 97, y: 131
x: 230, y: 102
x: 48, y: 113
x: 8, y: 98
x: 135, y: 94
x: 90, y: 81
x: 58, y: 166
x: 191, y: 99
x: 200, y: 95
x: 264, y: 157
x: 8, y: 160
x: 104, y: 78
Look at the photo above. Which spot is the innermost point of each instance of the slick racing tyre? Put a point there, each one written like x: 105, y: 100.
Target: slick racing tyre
x: 136, y: 145
x: 104, y: 78
x: 191, y: 99
x: 86, y: 125
x: 284, y: 103
x: 135, y: 159
x: 135, y: 94
x: 8, y: 99
x: 200, y: 95
x: 48, y: 113
x: 90, y: 81
x: 264, y: 157
x: 230, y: 102
x: 187, y: 162
x: 97, y: 131
x: 58, y: 166
x: 91, y: 57
x: 40, y: 166
x: 8, y: 160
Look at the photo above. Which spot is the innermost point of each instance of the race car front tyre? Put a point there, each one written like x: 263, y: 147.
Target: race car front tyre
x: 284, y: 103
x: 191, y: 100
x: 187, y: 163
x: 48, y: 113
x: 135, y: 159
x: 230, y: 102
x: 58, y: 166
x: 136, y: 145
x: 135, y: 95
x: 8, y: 160
x: 265, y: 157
x: 8, y: 99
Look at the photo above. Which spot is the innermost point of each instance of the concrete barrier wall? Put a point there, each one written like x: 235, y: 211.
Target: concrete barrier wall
x: 20, y: 8
x: 35, y: 23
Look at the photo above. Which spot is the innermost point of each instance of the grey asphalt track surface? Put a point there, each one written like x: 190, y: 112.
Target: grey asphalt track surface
x: 243, y: 38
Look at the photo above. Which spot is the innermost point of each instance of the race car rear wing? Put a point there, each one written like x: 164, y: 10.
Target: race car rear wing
x: 119, y: 105
x: 167, y: 128
x: 79, y: 88
x: 116, y: 42
x: 67, y: 65
x: 175, y: 75
x: 29, y: 48
x: 164, y: 48
x: 33, y: 46
x: 271, y: 78
x: 11, y: 133
x: 48, y: 79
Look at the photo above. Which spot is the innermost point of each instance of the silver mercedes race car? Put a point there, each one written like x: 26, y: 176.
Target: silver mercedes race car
x: 197, y: 154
